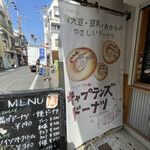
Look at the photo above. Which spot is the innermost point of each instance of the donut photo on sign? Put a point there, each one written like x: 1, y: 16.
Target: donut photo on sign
x: 52, y: 100
x: 111, y: 52
x: 101, y: 71
x: 81, y: 63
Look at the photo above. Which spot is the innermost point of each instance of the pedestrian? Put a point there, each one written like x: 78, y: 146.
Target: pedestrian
x: 38, y: 64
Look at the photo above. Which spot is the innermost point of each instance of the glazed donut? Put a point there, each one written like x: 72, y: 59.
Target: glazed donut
x: 101, y: 71
x: 81, y: 63
x: 111, y: 52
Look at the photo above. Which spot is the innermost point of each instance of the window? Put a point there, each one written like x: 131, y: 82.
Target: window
x: 3, y: 20
x: 55, y: 28
x: 56, y: 11
x: 5, y: 39
x: 12, y: 43
x: 56, y: 42
x: 45, y: 21
x: 142, y: 72
x: 50, y: 13
x: 10, y: 25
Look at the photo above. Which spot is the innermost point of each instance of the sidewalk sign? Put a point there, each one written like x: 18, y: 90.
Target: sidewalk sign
x: 46, y: 73
x: 32, y: 120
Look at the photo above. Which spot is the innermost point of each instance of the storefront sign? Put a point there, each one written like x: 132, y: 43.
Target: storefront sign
x: 93, y: 44
x: 42, y: 54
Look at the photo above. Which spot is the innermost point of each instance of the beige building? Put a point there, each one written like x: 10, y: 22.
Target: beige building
x: 8, y: 55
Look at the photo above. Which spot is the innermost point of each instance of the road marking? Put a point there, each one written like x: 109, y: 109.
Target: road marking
x: 33, y: 83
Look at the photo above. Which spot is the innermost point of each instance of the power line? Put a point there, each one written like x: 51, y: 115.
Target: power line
x: 27, y: 9
x: 18, y: 26
x: 28, y: 6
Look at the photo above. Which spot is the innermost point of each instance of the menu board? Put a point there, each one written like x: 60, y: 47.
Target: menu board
x: 145, y: 76
x: 32, y: 120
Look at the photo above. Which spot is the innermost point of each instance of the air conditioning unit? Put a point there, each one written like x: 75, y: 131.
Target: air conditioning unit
x: 16, y: 44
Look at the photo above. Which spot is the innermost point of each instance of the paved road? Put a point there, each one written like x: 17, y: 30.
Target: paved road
x: 23, y: 79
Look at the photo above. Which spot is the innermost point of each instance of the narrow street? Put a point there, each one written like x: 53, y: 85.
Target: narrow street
x: 23, y: 79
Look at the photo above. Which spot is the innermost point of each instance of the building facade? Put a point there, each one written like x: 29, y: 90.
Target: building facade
x: 21, y: 48
x: 8, y: 55
x: 51, y: 31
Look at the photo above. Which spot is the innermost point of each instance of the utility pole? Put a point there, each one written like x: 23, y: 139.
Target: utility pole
x: 20, y: 40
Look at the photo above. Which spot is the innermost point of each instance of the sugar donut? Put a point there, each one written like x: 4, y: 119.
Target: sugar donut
x: 101, y: 71
x: 81, y: 63
x: 111, y: 52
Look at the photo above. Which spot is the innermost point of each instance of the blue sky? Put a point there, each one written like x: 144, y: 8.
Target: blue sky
x: 31, y: 16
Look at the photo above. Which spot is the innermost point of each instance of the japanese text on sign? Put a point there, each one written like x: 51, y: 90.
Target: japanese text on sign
x: 99, y: 97
x: 95, y: 27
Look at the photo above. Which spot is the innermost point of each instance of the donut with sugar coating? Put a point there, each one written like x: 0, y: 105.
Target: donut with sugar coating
x: 111, y: 52
x: 81, y: 63
x: 101, y: 71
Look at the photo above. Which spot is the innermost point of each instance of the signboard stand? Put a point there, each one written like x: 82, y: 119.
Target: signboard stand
x: 33, y: 120
x: 46, y: 73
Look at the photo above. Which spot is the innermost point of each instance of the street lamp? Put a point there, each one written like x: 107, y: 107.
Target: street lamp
x: 35, y: 39
x: 32, y: 35
x: 40, y: 40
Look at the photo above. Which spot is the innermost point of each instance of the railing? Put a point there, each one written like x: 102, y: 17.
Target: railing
x: 139, y: 117
x: 55, y: 31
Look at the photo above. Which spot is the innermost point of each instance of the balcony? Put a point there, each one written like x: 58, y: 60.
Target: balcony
x: 56, y: 31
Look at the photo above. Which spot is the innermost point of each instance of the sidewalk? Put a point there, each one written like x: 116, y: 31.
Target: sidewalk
x: 119, y: 140
x: 43, y: 84
x: 54, y: 80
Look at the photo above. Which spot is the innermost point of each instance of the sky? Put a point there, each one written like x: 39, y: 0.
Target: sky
x: 31, y: 16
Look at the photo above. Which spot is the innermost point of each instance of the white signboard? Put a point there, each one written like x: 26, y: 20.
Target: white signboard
x: 93, y: 44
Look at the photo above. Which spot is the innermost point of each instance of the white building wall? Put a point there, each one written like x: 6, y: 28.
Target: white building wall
x: 54, y: 21
x: 50, y: 37
x: 49, y: 20
x: 54, y: 3
x: 53, y: 38
x: 46, y: 32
